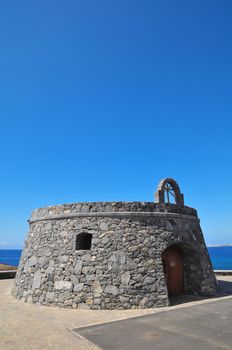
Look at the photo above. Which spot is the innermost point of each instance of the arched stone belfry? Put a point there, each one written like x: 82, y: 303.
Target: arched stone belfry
x: 109, y: 255
x: 169, y: 187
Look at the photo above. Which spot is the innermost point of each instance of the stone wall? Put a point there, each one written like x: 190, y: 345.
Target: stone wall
x: 123, y: 269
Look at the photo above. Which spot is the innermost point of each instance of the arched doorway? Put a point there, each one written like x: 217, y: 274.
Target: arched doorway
x: 173, y: 270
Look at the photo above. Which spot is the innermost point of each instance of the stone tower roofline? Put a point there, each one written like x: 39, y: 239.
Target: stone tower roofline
x: 173, y: 186
x: 113, y: 209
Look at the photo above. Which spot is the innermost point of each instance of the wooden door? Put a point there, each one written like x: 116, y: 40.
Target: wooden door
x: 173, y: 270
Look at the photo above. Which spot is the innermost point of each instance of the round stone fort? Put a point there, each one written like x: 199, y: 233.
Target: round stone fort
x: 115, y: 255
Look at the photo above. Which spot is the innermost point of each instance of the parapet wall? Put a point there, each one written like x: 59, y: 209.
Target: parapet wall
x: 123, y: 268
x: 111, y: 207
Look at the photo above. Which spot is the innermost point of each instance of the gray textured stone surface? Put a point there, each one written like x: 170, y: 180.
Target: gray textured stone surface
x: 123, y: 269
x: 36, y: 280
x: 78, y: 287
x: 59, y: 285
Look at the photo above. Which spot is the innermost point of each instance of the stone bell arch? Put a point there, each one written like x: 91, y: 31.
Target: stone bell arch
x: 169, y: 187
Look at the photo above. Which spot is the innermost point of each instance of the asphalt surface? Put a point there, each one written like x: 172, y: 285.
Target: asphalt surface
x: 199, y: 327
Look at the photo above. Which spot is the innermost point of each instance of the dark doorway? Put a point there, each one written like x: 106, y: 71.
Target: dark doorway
x: 173, y: 270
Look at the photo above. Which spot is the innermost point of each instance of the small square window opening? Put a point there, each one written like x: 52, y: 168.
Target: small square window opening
x: 83, y: 241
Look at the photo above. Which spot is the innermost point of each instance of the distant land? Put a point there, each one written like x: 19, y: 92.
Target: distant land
x: 219, y: 245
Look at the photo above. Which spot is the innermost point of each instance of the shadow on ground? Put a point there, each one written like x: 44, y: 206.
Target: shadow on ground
x: 224, y: 289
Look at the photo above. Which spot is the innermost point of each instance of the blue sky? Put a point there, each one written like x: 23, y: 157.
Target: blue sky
x: 102, y: 99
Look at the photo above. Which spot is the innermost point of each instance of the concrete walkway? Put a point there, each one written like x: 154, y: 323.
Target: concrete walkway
x: 28, y: 326
x: 198, y: 327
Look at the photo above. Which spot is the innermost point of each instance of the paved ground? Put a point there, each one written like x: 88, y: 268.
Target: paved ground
x: 26, y: 326
x: 205, y: 326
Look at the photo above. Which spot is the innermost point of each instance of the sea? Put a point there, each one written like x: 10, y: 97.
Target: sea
x: 221, y: 257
